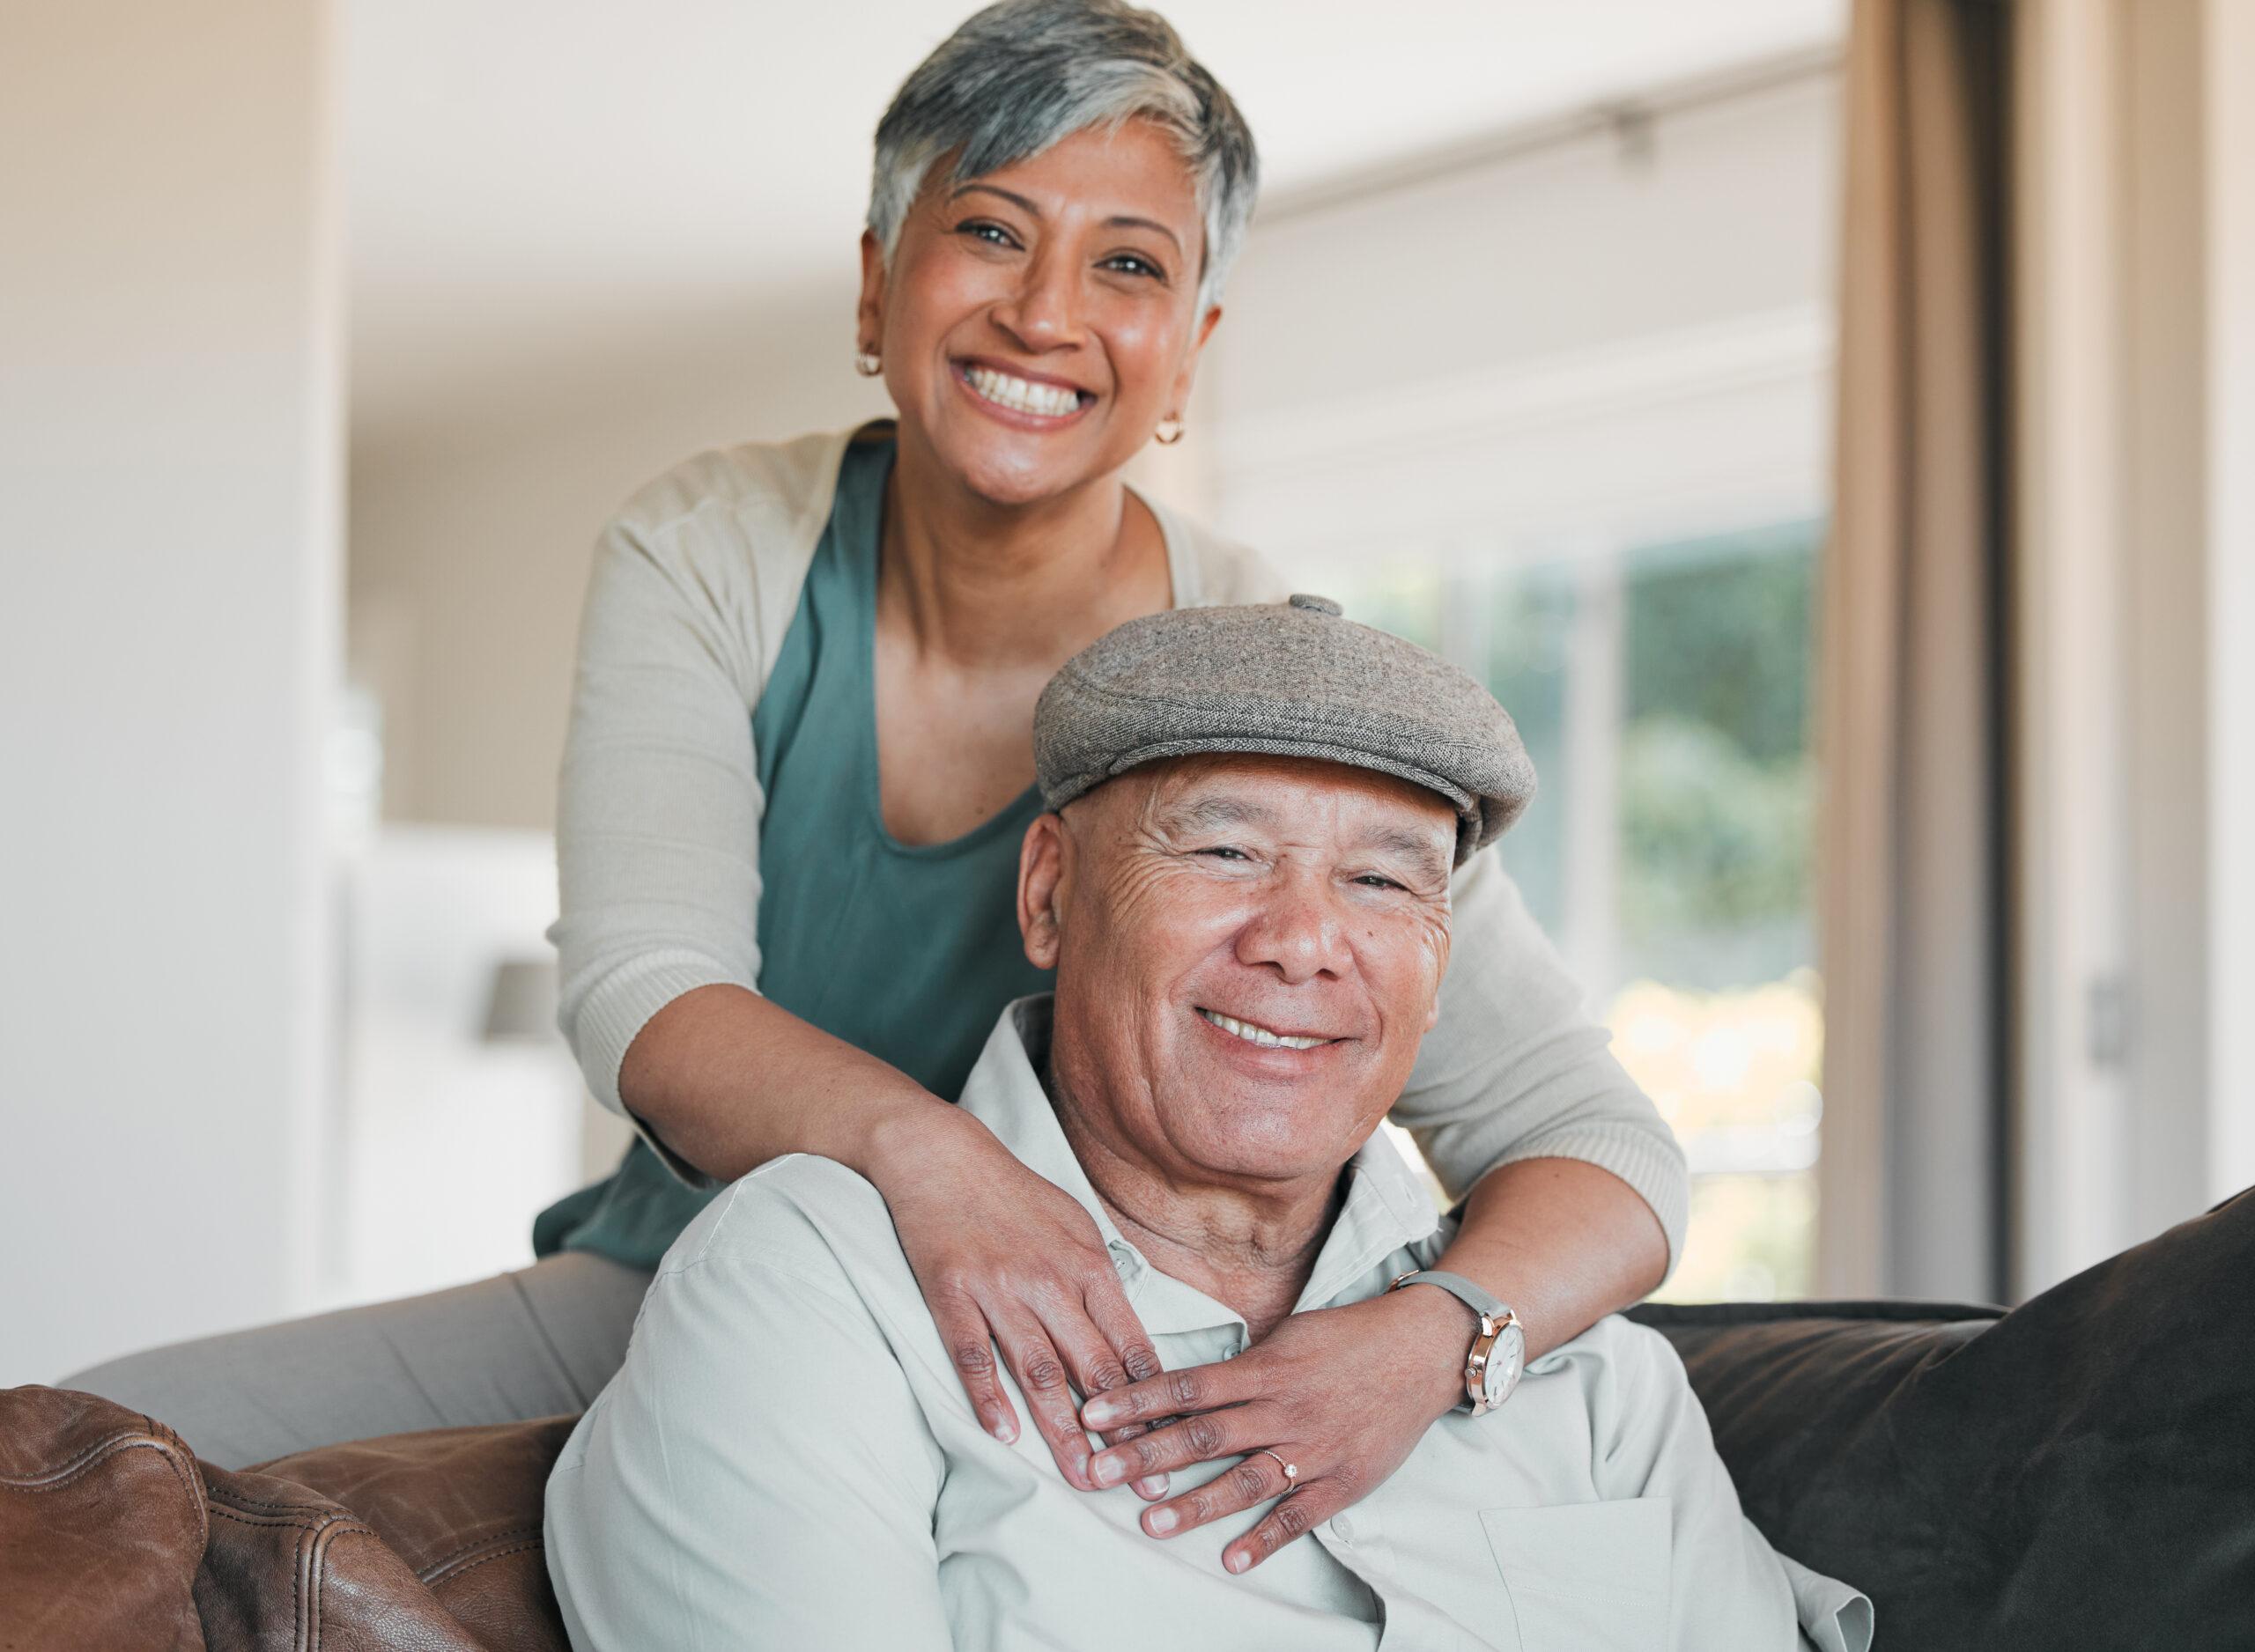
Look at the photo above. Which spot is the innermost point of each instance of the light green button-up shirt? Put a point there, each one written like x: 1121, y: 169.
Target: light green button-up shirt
x: 787, y: 1460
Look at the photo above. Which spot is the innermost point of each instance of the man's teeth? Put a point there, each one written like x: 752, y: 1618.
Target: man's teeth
x: 1251, y: 1033
x: 1048, y: 400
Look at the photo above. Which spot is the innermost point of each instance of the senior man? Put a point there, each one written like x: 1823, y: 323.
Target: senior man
x: 1243, y: 888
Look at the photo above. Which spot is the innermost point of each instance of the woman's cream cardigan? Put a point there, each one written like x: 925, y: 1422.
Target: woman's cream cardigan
x: 695, y: 583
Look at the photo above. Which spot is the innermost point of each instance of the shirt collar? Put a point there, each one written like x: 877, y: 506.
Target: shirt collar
x: 1386, y: 1209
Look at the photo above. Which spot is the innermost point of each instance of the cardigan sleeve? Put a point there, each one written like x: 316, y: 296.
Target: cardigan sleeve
x: 1515, y: 1069
x: 659, y: 800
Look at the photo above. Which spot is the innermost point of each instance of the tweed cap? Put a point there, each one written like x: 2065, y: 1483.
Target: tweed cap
x: 1289, y: 679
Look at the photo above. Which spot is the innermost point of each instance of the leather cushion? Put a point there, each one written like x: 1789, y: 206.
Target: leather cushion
x: 102, y: 1526
x: 461, y: 1508
x: 2079, y: 1471
x: 288, y: 1568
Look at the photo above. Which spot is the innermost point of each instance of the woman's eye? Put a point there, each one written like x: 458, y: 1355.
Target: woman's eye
x: 981, y: 229
x: 1134, y: 264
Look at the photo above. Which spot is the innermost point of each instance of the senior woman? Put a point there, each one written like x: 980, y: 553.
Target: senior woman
x: 786, y: 1459
x: 799, y: 764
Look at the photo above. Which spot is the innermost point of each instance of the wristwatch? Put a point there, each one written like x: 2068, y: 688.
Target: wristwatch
x: 1491, y: 1370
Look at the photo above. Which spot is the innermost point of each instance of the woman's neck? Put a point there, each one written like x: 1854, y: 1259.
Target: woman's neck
x: 1252, y: 1252
x: 980, y: 585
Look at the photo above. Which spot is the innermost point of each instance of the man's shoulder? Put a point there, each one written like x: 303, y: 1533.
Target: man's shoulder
x: 799, y: 1241
x: 1615, y: 1352
x: 807, y: 1217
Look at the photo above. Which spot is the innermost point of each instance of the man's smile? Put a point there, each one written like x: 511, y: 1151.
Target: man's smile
x: 1268, y: 1037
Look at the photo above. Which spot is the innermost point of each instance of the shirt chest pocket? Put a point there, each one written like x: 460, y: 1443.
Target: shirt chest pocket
x: 1586, y: 1577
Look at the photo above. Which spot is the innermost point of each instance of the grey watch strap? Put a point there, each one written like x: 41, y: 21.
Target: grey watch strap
x: 1497, y: 1321
x: 1456, y: 1285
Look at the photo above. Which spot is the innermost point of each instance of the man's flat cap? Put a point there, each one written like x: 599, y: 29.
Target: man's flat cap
x: 1289, y: 679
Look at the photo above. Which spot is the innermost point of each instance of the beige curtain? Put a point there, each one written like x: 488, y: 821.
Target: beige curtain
x: 1911, y: 666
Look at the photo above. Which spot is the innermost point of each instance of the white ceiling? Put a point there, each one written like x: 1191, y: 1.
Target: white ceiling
x: 525, y: 175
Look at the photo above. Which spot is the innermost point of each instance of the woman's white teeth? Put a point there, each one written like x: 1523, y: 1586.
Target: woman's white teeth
x: 1251, y: 1033
x: 1048, y: 400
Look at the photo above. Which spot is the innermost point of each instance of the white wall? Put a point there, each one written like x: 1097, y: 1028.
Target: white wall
x: 169, y: 493
x: 1594, y: 335
x: 471, y: 529
x: 430, y: 914
x: 1572, y: 247
x: 2230, y: 104
x: 2074, y: 962
x: 2136, y: 530
x: 2165, y: 580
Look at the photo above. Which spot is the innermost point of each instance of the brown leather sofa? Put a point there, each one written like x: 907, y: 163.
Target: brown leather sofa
x: 115, y: 1537
x: 2079, y: 1471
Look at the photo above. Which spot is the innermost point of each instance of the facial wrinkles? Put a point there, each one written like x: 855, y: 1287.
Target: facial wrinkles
x: 1178, y: 931
x: 1313, y: 868
x: 1156, y: 928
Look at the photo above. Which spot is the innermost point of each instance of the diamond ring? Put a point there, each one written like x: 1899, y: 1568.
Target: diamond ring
x: 1291, y: 1469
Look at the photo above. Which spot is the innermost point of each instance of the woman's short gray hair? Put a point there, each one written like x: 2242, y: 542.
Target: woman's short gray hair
x: 1020, y: 74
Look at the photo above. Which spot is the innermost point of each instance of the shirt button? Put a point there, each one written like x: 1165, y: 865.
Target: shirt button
x: 1343, y: 1529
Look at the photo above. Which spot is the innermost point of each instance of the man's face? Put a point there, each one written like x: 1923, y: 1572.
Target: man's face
x: 1248, y: 951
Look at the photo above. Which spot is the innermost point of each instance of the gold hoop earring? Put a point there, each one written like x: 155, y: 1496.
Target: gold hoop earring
x: 867, y: 363
x: 1169, y: 430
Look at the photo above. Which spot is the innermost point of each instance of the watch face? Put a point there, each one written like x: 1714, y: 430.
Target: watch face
x: 1504, y: 1362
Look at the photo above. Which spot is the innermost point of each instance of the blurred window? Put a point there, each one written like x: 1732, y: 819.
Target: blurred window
x: 1564, y: 414
x: 1663, y: 691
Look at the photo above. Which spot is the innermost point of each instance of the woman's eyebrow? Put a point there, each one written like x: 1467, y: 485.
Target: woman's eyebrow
x: 1011, y: 196
x: 1120, y: 220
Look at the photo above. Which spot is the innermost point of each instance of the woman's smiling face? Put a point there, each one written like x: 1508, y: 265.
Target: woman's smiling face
x: 1038, y: 321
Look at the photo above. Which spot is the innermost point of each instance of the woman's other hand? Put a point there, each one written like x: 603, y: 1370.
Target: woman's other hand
x: 1342, y: 1394
x: 1009, y: 1260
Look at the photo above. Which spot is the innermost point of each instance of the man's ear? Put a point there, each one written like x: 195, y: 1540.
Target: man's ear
x: 1041, y: 889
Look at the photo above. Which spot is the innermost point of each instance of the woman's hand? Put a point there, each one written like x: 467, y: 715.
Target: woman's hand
x: 1343, y: 1394
x: 1008, y: 1259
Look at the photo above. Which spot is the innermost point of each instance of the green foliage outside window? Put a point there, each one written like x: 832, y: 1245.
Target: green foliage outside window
x: 1706, y: 812
x: 1717, y: 786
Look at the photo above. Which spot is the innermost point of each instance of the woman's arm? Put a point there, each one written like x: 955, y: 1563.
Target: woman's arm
x: 658, y: 856
x: 1562, y: 1242
x: 1005, y: 1257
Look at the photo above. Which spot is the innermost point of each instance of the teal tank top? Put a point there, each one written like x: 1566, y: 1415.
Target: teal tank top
x: 908, y: 952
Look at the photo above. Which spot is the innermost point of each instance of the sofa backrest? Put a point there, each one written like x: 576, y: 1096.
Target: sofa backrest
x: 2079, y: 1471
